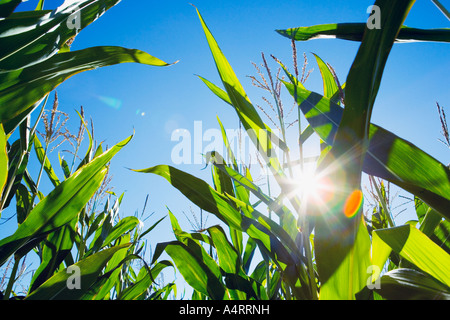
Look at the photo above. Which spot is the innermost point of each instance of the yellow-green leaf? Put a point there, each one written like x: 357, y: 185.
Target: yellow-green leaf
x: 3, y: 160
x: 418, y: 249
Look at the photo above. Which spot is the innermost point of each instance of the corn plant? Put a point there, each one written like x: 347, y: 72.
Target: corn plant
x: 63, y: 227
x: 75, y: 231
x: 321, y: 246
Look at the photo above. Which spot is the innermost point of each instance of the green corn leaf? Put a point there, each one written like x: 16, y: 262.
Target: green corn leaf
x: 61, y: 205
x: 205, y: 197
x: 94, y: 224
x: 222, y: 182
x: 124, y: 226
x: 237, y: 282
x: 17, y: 160
x: 217, y: 91
x: 365, y: 75
x: 230, y: 153
x: 241, y: 192
x: 23, y: 203
x: 225, y: 185
x: 164, y: 293
x: 273, y: 228
x: 224, y: 207
x: 430, y: 222
x: 198, y: 269
x: 21, y: 89
x: 234, y: 89
x: 421, y: 208
x: 89, y: 150
x: 237, y: 238
x: 3, y: 161
x: 201, y: 253
x: 271, y: 238
x: 45, y: 162
x: 34, y: 36
x: 199, y: 192
x: 259, y: 273
x: 336, y: 229
x: 355, y: 32
x: 441, y: 235
x: 64, y: 166
x: 288, y: 221
x: 408, y: 284
x: 40, y: 5
x: 306, y: 134
x: 54, y: 251
x: 140, y: 288
x: 259, y: 132
x: 353, y: 271
x: 216, y: 159
x: 7, y: 7
x: 90, y: 268
x: 417, y: 248
x: 224, y: 96
x: 112, y: 272
x: 379, y: 255
x: 388, y: 156
x: 329, y: 83
x: 183, y: 236
x: 53, y: 212
x: 229, y: 259
x: 249, y: 253
x: 108, y: 232
x: 149, y: 229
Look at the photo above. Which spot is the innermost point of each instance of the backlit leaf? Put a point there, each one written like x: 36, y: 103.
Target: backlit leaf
x: 56, y: 287
x: 61, y: 205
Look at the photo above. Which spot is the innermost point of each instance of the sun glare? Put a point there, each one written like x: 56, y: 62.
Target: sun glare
x: 317, y: 189
x: 312, y: 187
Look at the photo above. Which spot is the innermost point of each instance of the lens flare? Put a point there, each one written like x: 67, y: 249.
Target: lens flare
x: 307, y: 183
x: 111, y: 102
x: 314, y: 188
x: 353, y: 203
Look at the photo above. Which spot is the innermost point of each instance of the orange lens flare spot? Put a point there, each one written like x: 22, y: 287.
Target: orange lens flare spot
x: 353, y: 203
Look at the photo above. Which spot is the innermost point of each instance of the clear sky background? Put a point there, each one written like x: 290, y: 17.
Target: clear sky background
x: 155, y: 101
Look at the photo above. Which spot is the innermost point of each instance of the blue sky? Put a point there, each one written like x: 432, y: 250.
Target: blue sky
x: 155, y: 101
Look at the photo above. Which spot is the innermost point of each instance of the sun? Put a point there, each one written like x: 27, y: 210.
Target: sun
x: 316, y: 189
x: 306, y: 183
x: 311, y: 186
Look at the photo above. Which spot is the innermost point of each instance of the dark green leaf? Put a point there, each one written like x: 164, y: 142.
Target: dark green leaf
x: 343, y: 164
x: 7, y: 7
x: 193, y: 264
x: 355, y: 32
x: 54, y: 251
x: 21, y: 89
x: 408, y: 284
x: 45, y: 162
x: 56, y: 287
x: 388, y: 156
x: 140, y: 288
x: 229, y: 259
x: 33, y: 36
